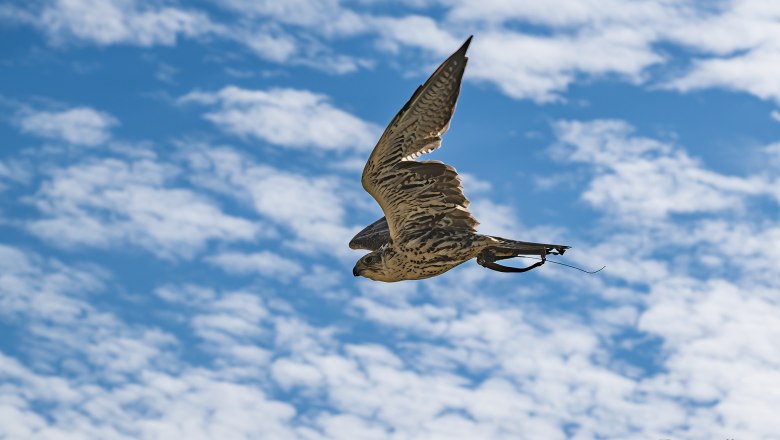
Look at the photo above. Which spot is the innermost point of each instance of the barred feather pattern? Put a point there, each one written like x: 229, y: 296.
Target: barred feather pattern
x: 403, y: 186
x: 427, y: 229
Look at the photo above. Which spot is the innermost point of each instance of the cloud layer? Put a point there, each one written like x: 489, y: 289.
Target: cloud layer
x: 188, y: 275
x: 527, y: 50
x: 78, y: 125
x: 286, y: 117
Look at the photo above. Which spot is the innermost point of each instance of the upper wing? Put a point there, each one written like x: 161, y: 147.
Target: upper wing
x: 372, y: 237
x: 413, y: 194
x: 424, y: 195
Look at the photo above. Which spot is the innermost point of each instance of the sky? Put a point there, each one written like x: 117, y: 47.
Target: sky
x: 179, y: 182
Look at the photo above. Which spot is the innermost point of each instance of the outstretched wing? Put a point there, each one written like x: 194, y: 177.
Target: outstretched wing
x: 415, y: 195
x: 372, y: 237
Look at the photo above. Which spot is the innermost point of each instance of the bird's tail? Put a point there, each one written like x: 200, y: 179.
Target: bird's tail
x: 506, y: 248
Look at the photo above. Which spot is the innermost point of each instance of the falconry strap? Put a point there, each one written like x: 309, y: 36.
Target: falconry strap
x: 488, y: 259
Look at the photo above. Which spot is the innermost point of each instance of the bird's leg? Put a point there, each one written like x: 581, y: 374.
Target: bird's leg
x: 487, y: 258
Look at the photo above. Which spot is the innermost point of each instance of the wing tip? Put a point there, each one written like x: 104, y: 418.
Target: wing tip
x: 465, y: 45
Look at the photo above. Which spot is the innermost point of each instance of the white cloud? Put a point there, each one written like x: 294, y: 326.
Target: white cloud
x: 550, y: 372
x: 460, y: 356
x: 280, y: 48
x: 110, y: 202
x: 119, y: 21
x: 560, y: 13
x: 34, y: 286
x: 530, y: 358
x: 256, y: 26
x: 648, y: 189
x: 313, y: 208
x: 78, y: 125
x: 190, y: 404
x: 591, y: 40
x: 529, y: 66
x: 773, y: 153
x: 697, y: 317
x: 416, y: 31
x: 265, y: 263
x: 578, y: 40
x: 735, y: 41
x: 597, y: 37
x: 127, y: 376
x: 526, y: 66
x: 51, y: 299
x: 322, y: 16
x: 534, y: 402
x: 234, y: 315
x: 185, y: 294
x: 754, y: 72
x: 704, y: 326
x: 14, y: 172
x: 739, y: 44
x: 289, y: 373
x: 287, y: 117
x: 642, y: 179
x: 737, y: 244
x: 471, y: 183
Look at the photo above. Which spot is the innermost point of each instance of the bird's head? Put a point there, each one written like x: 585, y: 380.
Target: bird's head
x: 373, y: 266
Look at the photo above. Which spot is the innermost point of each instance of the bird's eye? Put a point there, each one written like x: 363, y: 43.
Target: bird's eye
x: 370, y: 260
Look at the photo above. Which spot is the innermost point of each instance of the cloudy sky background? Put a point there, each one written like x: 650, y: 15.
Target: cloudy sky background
x: 179, y: 181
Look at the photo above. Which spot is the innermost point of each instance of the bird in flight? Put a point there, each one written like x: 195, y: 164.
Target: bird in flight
x: 427, y: 228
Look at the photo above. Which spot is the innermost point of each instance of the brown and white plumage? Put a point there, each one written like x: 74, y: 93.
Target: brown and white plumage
x: 427, y: 228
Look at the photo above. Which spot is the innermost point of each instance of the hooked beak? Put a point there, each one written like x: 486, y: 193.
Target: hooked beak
x: 356, y: 271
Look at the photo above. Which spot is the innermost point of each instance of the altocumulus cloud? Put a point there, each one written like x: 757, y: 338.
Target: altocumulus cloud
x: 588, y: 38
x: 286, y: 117
x: 110, y: 22
x: 159, y: 287
x: 77, y: 125
x: 115, y: 201
x: 646, y: 179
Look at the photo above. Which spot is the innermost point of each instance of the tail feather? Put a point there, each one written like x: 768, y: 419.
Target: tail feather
x: 511, y: 248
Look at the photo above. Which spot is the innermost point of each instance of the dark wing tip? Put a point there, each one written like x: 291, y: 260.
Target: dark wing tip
x: 465, y: 46
x: 462, y: 51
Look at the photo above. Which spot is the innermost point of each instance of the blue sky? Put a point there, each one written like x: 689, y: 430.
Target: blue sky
x: 180, y: 180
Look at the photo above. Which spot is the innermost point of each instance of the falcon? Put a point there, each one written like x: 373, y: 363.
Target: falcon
x: 427, y: 228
